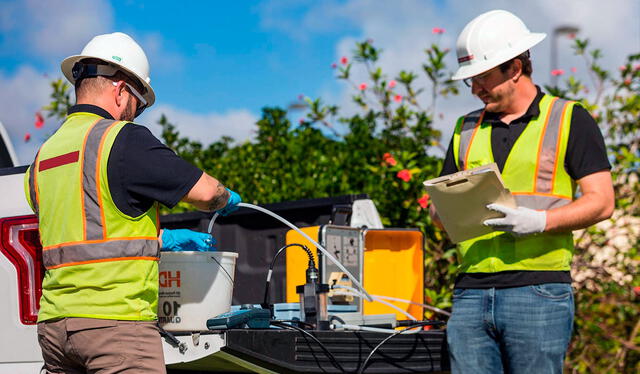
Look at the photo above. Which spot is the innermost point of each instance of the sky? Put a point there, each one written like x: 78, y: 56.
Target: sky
x: 216, y: 64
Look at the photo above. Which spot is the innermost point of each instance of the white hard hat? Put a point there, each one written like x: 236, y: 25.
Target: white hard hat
x: 489, y: 40
x: 119, y: 50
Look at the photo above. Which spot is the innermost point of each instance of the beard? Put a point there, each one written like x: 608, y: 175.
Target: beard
x: 129, y: 113
x: 493, y: 105
x: 498, y: 100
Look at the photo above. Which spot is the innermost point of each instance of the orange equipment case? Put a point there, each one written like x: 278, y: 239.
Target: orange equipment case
x: 393, y: 266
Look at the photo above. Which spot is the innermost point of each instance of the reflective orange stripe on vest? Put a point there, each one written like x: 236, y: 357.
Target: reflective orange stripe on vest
x: 90, y: 252
x: 33, y: 190
x: 470, y: 127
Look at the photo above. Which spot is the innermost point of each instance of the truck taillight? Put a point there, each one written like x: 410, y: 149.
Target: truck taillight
x: 20, y: 243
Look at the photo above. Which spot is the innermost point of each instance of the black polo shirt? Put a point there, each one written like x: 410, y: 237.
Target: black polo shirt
x: 142, y: 170
x: 586, y: 154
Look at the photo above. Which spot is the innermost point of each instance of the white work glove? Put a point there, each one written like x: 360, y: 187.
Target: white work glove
x: 519, y: 221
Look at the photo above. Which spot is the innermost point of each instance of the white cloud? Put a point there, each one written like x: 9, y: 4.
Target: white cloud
x: 203, y: 127
x: 21, y: 96
x: 55, y: 28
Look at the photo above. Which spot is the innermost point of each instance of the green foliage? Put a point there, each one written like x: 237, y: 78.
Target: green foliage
x: 60, y: 99
x: 384, y: 152
x: 607, y: 259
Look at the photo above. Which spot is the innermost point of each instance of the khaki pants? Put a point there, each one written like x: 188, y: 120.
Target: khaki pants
x: 99, y: 346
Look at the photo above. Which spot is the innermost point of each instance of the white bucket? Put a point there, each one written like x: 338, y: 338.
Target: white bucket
x: 194, y: 286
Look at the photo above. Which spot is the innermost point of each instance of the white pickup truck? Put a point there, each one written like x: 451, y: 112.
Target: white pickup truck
x: 20, y: 269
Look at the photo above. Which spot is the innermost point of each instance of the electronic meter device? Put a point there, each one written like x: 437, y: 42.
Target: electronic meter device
x: 346, y: 245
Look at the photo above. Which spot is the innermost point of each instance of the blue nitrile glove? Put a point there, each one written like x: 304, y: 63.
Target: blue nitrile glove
x: 186, y: 240
x: 234, y: 200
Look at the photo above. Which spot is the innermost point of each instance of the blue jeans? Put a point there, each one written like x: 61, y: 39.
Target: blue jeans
x: 511, y: 330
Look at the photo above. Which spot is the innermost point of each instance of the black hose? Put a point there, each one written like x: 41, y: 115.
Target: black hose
x: 296, y: 321
x: 421, y: 323
x: 265, y: 303
x: 337, y: 319
x: 330, y: 355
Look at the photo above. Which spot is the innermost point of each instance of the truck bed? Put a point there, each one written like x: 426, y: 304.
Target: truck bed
x: 286, y: 351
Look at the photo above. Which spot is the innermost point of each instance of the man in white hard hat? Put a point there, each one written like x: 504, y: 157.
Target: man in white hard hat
x: 512, y: 302
x: 96, y: 186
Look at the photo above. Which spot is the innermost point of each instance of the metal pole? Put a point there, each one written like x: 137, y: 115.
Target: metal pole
x: 554, y: 57
x: 559, y: 30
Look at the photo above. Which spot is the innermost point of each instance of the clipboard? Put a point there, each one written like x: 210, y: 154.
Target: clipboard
x: 461, y: 200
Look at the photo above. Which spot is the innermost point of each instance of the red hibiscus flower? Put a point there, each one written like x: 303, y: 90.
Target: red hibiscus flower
x: 424, y: 201
x: 404, y: 174
x: 39, y: 120
x: 389, y: 159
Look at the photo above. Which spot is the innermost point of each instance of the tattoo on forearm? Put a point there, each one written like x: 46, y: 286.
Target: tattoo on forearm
x: 221, y: 200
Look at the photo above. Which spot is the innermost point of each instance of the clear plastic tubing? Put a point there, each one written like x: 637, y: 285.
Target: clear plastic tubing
x: 321, y: 248
x: 375, y: 329
x: 355, y: 292
x: 430, y: 307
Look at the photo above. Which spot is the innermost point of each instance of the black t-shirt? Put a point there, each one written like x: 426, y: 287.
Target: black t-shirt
x: 142, y: 170
x: 586, y: 154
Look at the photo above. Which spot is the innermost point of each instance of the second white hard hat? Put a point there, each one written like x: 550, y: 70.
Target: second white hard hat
x: 489, y: 40
x: 119, y: 50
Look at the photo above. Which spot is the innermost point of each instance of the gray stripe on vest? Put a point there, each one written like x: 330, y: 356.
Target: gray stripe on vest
x: 540, y: 202
x: 32, y: 186
x: 98, y: 251
x: 547, y: 157
x: 93, y: 219
x: 468, y: 125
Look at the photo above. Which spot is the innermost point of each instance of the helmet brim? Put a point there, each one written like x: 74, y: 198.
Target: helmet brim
x: 469, y: 69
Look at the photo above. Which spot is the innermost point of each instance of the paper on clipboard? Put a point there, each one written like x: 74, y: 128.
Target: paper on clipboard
x: 461, y: 199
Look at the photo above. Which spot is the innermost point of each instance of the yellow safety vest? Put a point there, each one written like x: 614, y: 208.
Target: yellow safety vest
x: 100, y: 262
x: 535, y: 174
